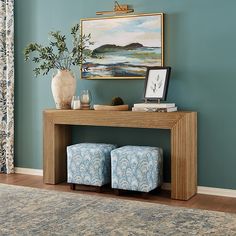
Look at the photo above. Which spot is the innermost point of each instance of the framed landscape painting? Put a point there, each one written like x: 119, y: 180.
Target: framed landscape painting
x: 123, y: 46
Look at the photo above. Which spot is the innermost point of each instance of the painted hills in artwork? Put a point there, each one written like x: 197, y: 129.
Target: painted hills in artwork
x: 119, y: 61
x: 114, y: 48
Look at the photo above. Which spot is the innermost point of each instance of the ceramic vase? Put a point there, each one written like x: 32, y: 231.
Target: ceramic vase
x: 63, y: 89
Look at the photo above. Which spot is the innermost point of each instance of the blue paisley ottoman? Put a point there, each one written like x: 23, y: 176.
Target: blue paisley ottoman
x: 89, y: 163
x: 137, y: 168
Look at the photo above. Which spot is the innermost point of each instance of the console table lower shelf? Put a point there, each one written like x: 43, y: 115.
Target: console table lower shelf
x: 183, y: 127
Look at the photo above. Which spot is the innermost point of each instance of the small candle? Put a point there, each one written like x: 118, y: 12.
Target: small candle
x: 76, y: 104
x: 85, y: 98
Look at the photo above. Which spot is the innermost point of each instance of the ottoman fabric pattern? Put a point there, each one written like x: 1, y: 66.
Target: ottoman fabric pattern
x: 137, y: 168
x: 89, y: 163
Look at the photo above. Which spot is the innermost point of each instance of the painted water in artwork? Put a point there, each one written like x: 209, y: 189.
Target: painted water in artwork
x: 123, y: 46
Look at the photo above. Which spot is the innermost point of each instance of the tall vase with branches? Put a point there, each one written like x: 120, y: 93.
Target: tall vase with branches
x: 58, y: 55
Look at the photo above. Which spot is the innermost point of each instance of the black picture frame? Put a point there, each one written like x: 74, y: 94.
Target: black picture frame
x: 156, y: 83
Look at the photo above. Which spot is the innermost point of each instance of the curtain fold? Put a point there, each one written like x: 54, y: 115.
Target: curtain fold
x: 7, y: 86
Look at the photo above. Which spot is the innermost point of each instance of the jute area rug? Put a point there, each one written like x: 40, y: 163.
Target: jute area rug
x: 29, y: 211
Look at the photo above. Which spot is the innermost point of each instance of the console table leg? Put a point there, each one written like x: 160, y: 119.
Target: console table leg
x: 184, y: 158
x: 55, y: 140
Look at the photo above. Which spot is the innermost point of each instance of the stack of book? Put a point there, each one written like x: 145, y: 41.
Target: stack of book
x: 154, y: 107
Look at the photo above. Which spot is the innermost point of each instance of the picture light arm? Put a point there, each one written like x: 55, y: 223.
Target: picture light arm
x: 118, y: 9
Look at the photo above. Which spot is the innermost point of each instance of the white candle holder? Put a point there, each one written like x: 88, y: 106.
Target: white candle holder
x: 85, y: 99
x: 75, y: 103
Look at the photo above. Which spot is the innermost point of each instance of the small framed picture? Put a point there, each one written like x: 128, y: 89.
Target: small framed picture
x: 157, y: 80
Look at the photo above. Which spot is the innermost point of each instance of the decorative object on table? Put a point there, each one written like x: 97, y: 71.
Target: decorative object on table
x: 85, y: 99
x: 123, y: 46
x: 63, y: 87
x: 111, y: 108
x: 117, y: 101
x: 154, y: 107
x: 75, y: 103
x: 57, y: 55
x: 156, y: 87
x: 156, y: 84
x: 147, y: 109
x: 117, y: 104
x: 118, y: 9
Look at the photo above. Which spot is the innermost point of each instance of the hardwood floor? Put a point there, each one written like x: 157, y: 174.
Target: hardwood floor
x: 201, y: 201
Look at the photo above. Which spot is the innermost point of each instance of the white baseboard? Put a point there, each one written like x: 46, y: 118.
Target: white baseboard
x: 217, y: 191
x: 208, y: 190
x: 166, y: 186
x: 28, y: 171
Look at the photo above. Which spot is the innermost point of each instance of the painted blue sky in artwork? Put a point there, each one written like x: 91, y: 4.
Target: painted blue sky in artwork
x: 125, y: 30
x: 137, y: 25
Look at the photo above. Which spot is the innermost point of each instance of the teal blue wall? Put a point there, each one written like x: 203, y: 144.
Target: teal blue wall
x: 200, y: 39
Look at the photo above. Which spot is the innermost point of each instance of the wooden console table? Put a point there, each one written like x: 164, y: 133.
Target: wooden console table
x: 183, y: 126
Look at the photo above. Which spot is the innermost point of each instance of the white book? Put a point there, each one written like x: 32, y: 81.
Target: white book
x: 143, y: 109
x: 154, y: 105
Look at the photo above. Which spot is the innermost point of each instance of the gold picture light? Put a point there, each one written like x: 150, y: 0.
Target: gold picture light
x: 118, y: 9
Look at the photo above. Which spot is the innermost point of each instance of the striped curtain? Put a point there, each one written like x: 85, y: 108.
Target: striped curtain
x: 6, y: 86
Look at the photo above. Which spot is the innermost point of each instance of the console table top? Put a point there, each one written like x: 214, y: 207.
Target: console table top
x: 161, y: 120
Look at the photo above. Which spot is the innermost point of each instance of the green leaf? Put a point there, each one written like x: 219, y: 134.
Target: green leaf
x: 57, y: 55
